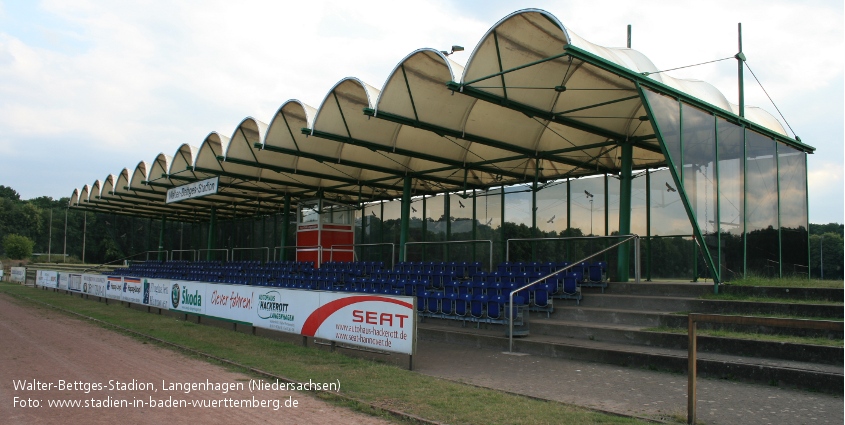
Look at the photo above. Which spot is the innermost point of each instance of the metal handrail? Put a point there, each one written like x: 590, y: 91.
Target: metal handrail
x: 508, y: 242
x: 392, y: 250
x: 510, y: 296
x: 405, y: 257
x: 195, y: 256
x: 266, y: 257
x: 212, y: 250
x: 119, y: 259
x: 159, y: 251
x: 319, y: 249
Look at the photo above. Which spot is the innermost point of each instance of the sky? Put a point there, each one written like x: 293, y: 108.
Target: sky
x: 88, y: 87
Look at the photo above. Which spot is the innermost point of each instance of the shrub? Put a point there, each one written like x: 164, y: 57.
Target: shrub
x: 18, y: 247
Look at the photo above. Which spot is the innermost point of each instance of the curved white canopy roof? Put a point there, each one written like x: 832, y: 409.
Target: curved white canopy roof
x: 534, y: 102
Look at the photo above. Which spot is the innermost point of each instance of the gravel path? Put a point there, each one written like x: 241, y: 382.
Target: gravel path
x: 54, y: 349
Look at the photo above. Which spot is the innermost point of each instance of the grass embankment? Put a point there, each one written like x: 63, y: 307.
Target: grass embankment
x: 380, y: 384
x: 754, y: 336
x: 788, y: 282
x: 783, y: 300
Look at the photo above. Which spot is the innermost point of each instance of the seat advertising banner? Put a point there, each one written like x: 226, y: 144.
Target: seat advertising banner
x: 372, y: 321
x: 94, y: 285
x: 283, y: 310
x: 17, y: 274
x: 114, y: 287
x: 47, y: 279
x: 232, y: 302
x: 188, y: 297
x: 133, y: 290
x: 157, y: 293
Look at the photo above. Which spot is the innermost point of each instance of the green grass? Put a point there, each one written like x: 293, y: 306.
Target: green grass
x: 753, y: 336
x: 788, y: 282
x: 776, y: 315
x: 741, y: 297
x: 377, y: 383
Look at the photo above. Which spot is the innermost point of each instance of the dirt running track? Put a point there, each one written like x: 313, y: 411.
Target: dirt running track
x: 44, y: 345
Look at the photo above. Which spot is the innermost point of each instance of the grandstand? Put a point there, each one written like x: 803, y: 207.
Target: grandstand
x: 542, y: 136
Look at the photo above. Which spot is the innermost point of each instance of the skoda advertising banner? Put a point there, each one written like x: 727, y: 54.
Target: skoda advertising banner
x: 373, y: 321
x: 114, y: 287
x: 188, y: 297
x: 232, y: 302
x: 133, y: 290
x: 94, y: 285
x: 283, y: 309
x: 157, y: 293
x: 47, y: 279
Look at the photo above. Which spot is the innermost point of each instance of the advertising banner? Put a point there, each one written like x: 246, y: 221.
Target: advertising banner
x: 283, y: 309
x: 232, y: 302
x: 47, y: 279
x: 74, y: 282
x: 133, y: 290
x: 374, y: 321
x: 94, y: 285
x: 114, y: 287
x: 62, y: 280
x: 188, y: 297
x: 157, y: 293
x: 17, y: 274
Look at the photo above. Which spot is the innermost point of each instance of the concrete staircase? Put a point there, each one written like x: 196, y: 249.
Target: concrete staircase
x: 617, y: 327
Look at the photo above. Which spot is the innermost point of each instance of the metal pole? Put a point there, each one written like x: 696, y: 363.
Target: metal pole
x: 406, y: 217
x: 211, y: 236
x: 629, y: 36
x: 50, y: 238
x: 64, y: 250
x: 625, y: 178
x: 84, y: 229
x: 161, y: 254
x: 285, y: 226
x: 740, y: 58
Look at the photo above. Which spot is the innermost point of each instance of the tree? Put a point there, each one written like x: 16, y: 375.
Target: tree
x: 18, y: 247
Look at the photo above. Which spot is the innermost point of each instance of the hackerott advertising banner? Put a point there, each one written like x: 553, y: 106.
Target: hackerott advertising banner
x: 114, y: 287
x: 94, y: 285
x: 47, y: 279
x: 188, y: 297
x: 157, y: 293
x: 17, y: 274
x: 283, y: 310
x: 133, y: 290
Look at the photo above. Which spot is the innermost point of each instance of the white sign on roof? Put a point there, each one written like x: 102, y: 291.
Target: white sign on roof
x: 193, y: 190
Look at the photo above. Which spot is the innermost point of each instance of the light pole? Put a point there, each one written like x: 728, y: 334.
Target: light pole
x: 590, y: 197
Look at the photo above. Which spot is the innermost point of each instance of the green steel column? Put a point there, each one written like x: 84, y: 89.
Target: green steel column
x: 406, y: 217
x: 161, y: 239
x: 740, y: 58
x: 648, y: 225
x: 625, y: 209
x: 502, y: 227
x: 475, y: 223
x: 447, y: 212
x: 285, y: 228
x: 212, y: 238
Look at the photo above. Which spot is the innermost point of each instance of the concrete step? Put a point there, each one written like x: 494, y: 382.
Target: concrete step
x: 814, y: 376
x: 666, y: 289
x: 633, y: 335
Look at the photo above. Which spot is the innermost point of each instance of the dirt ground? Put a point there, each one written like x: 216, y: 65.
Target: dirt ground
x: 46, y: 346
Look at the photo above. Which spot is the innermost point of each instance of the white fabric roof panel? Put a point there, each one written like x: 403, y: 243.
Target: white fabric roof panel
x: 531, y: 105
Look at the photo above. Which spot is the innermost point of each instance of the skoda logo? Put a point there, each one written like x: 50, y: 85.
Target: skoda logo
x: 174, y: 295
